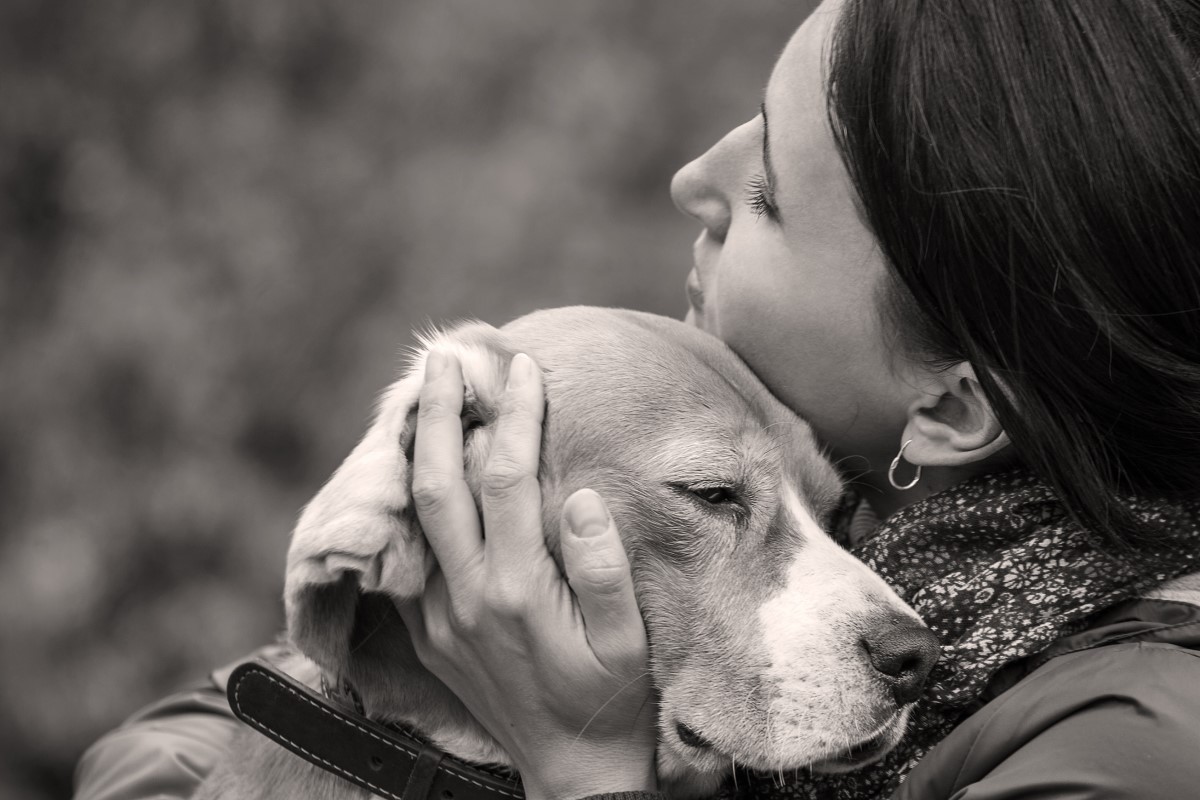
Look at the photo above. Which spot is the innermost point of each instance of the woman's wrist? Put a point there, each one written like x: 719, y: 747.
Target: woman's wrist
x: 576, y: 775
x: 583, y: 769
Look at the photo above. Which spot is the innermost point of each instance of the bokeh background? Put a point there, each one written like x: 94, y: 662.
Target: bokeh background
x: 220, y: 221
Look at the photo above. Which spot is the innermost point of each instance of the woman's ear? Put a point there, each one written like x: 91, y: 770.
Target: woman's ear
x: 952, y: 423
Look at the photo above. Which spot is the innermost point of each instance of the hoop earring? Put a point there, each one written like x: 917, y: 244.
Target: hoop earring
x: 895, y: 464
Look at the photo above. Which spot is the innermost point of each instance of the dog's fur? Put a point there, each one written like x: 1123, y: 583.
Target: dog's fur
x: 754, y: 615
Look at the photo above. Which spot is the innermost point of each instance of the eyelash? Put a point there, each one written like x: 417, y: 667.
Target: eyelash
x: 758, y: 198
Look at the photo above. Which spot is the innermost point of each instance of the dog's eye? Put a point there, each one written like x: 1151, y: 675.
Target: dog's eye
x: 716, y: 495
x: 471, y: 421
x: 723, y: 500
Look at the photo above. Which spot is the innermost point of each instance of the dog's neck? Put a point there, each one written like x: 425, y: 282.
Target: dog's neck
x: 341, y: 742
x: 470, y: 744
x: 341, y: 692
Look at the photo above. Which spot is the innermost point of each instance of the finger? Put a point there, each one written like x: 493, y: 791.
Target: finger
x: 599, y: 574
x: 412, y: 615
x: 424, y: 614
x: 511, y: 498
x: 444, y: 504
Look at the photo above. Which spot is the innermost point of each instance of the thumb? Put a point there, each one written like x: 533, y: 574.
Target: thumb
x: 598, y: 572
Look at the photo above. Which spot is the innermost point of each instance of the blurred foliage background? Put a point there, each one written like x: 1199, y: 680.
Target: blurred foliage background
x: 220, y: 222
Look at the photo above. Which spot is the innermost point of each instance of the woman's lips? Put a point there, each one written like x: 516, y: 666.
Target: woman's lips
x: 695, y: 291
x: 704, y: 250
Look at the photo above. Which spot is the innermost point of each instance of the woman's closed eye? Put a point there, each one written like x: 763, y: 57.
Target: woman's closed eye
x: 758, y: 197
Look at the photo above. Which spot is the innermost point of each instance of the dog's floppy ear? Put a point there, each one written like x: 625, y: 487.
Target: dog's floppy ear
x: 358, y: 534
x: 358, y: 546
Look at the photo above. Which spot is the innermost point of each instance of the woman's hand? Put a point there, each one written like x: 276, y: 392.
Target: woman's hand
x: 557, y: 673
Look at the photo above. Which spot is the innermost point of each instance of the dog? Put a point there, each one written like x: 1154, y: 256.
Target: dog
x: 770, y: 646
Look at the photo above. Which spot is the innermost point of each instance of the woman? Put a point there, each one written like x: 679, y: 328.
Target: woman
x: 985, y: 256
x: 961, y: 239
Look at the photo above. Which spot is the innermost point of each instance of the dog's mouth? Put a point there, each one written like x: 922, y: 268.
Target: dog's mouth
x: 700, y: 751
x: 866, y: 751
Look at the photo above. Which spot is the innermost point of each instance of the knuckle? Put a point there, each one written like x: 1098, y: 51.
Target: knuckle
x: 430, y: 489
x: 438, y: 647
x: 518, y: 405
x: 605, y: 578
x: 434, y: 405
x: 504, y: 476
x: 464, y: 619
x: 505, y: 599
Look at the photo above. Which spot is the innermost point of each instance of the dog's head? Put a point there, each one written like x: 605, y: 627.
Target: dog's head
x: 768, y: 641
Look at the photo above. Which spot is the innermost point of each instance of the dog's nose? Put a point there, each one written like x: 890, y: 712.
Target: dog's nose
x: 690, y: 737
x: 903, y: 652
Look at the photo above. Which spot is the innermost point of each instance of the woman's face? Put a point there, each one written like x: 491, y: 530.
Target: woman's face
x: 785, y: 272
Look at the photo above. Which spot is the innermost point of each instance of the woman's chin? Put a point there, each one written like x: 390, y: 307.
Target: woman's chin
x: 695, y: 318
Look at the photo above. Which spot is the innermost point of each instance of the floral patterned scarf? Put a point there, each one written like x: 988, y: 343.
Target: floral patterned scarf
x: 998, y: 571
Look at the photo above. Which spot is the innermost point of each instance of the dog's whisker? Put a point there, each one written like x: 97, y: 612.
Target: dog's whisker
x: 841, y: 465
x: 769, y: 739
x: 603, y: 705
x: 644, y: 701
x: 367, y: 637
x: 783, y: 424
x: 756, y: 688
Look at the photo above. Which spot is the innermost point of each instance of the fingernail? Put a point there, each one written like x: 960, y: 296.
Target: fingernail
x: 520, y: 369
x: 435, y: 364
x: 586, y: 514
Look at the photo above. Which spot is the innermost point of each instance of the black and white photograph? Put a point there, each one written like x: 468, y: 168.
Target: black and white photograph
x: 604, y: 400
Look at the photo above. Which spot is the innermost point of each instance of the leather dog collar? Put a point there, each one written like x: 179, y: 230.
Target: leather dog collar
x: 389, y: 762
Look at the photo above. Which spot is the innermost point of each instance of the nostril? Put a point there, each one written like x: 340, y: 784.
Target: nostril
x: 904, y: 654
x: 697, y: 193
x: 690, y: 737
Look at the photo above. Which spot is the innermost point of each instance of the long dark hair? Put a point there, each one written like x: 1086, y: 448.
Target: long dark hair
x: 1031, y: 171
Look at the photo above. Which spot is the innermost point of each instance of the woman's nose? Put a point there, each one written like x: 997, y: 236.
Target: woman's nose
x: 697, y: 193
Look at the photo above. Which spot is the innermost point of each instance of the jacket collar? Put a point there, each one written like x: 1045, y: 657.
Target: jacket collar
x: 1167, y: 614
